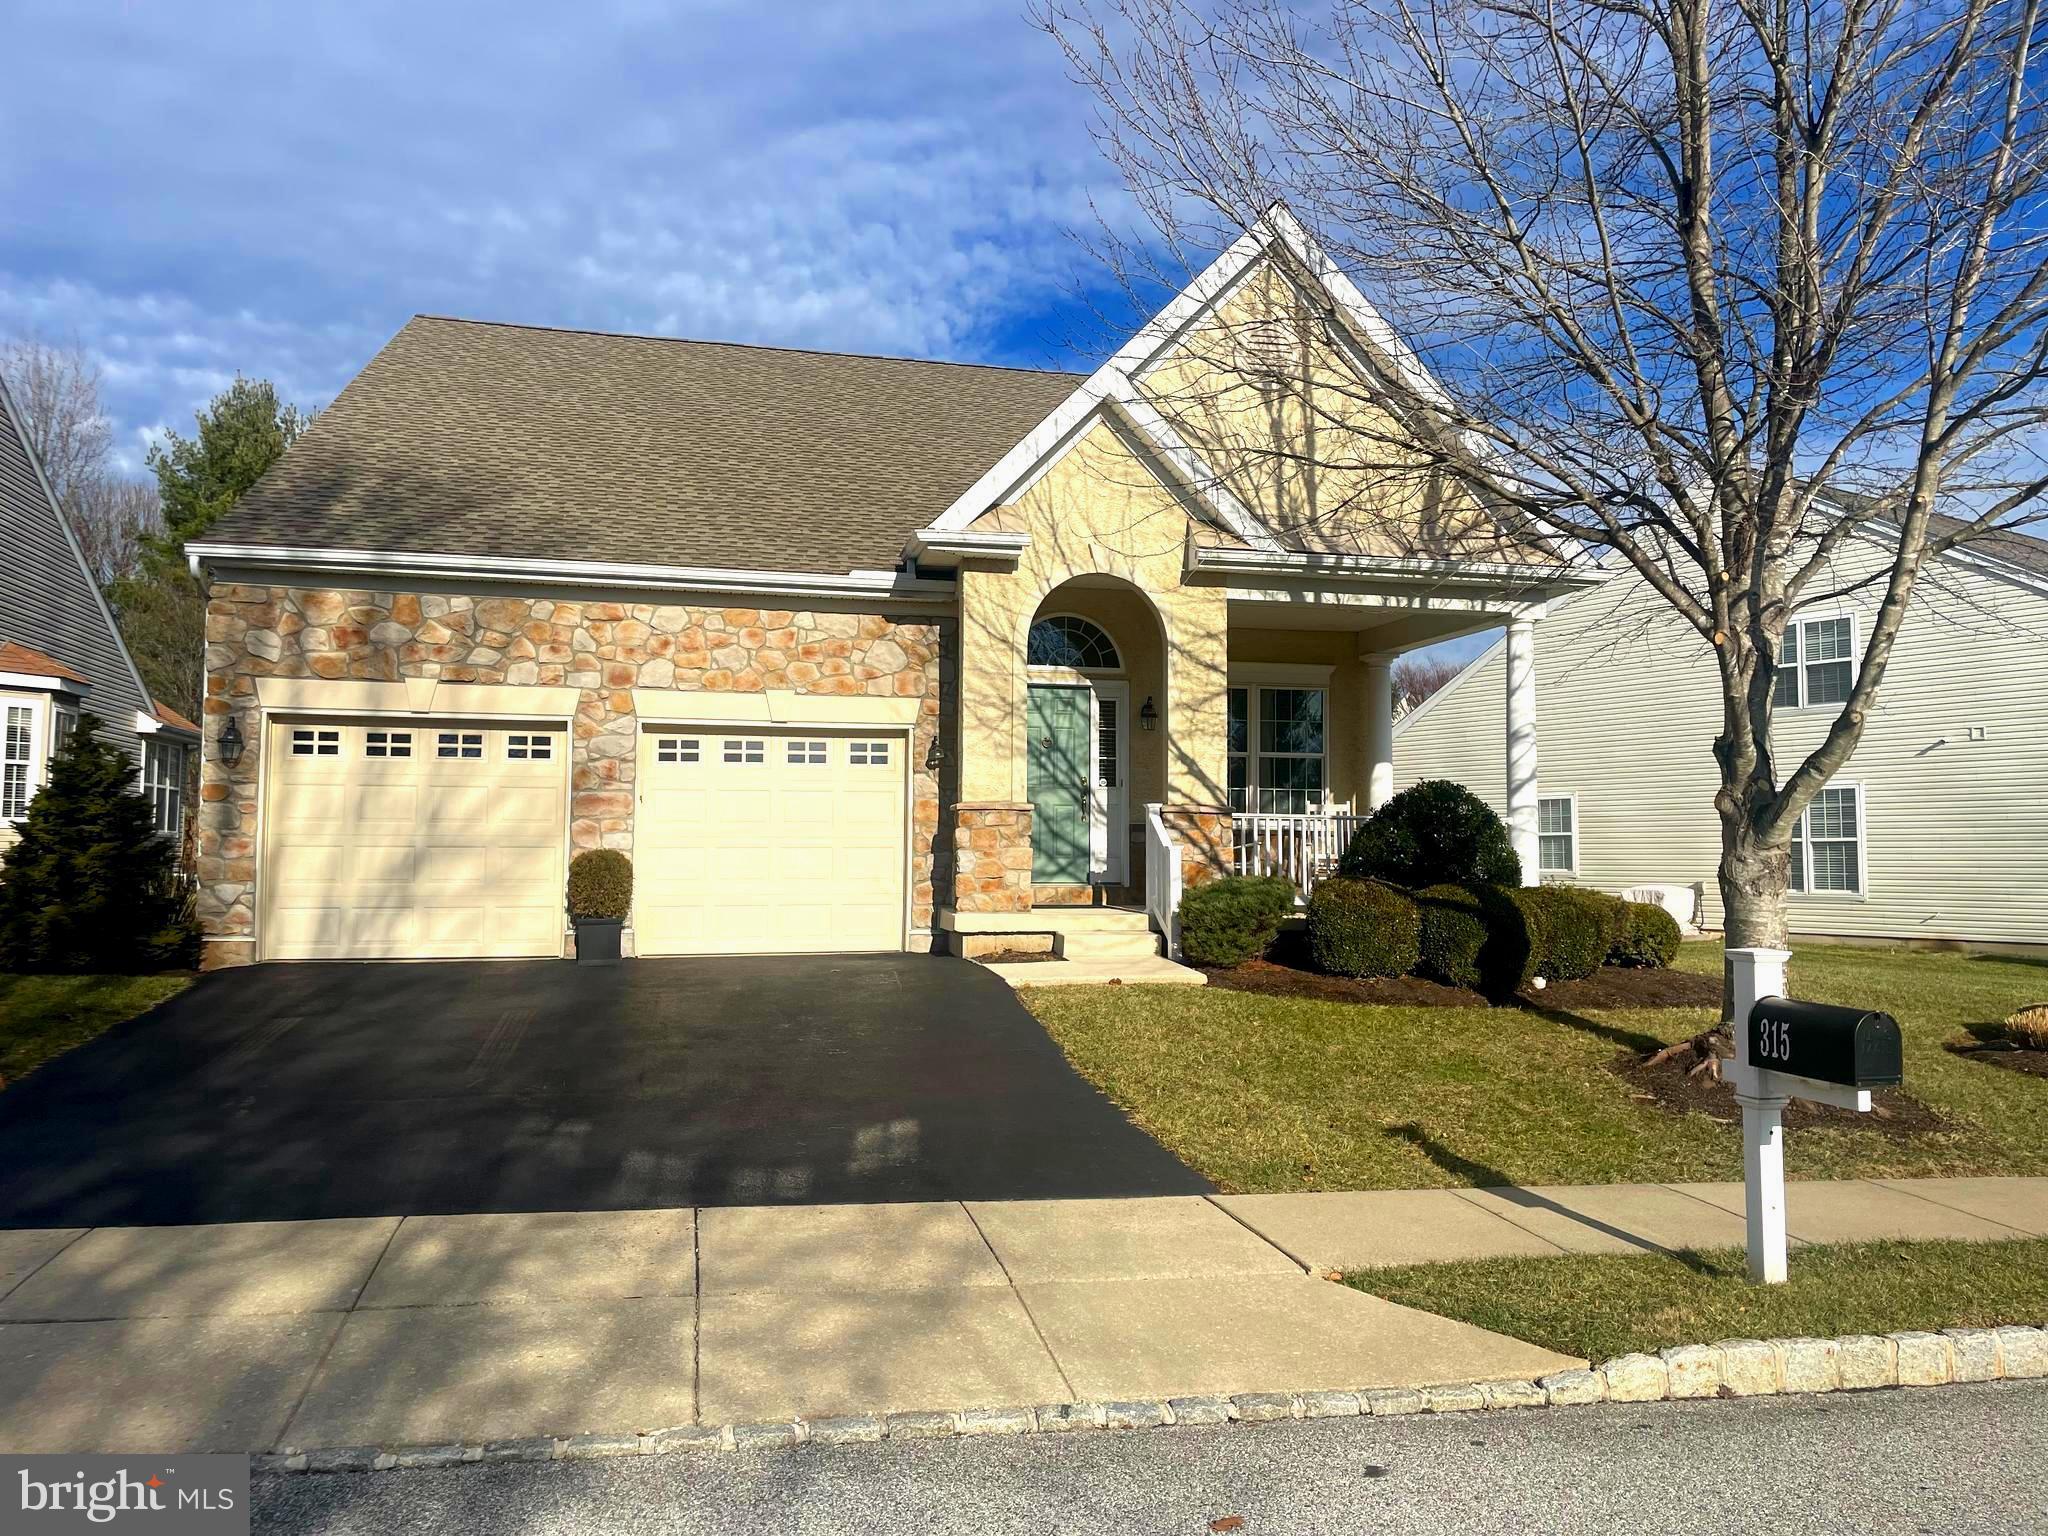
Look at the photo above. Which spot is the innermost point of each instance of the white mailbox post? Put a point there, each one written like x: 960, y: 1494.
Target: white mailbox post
x: 1758, y: 976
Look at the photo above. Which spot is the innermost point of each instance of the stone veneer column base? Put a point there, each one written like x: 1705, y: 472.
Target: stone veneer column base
x: 992, y: 857
x: 1206, y: 851
x: 221, y: 954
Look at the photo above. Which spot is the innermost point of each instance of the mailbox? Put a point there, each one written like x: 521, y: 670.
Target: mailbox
x: 1818, y: 1040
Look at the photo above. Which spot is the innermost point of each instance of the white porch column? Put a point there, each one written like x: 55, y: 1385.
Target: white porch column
x: 1379, y: 731
x: 1521, y: 745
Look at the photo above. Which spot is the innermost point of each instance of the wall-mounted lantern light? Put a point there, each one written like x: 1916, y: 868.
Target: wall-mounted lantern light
x: 1148, y: 717
x: 230, y: 743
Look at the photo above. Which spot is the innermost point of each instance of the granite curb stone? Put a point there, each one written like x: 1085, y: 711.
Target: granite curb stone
x: 1730, y: 1368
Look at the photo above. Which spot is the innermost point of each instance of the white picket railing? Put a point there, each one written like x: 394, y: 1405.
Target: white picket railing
x: 1303, y: 848
x: 1162, y: 879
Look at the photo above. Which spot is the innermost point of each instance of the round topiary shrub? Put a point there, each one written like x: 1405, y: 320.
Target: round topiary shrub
x: 1574, y: 930
x: 1433, y: 833
x: 1363, y: 928
x: 600, y: 884
x: 1232, y: 920
x: 1649, y: 936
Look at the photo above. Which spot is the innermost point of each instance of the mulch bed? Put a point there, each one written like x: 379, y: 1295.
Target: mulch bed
x: 1017, y: 957
x: 2003, y: 1053
x: 1286, y: 974
x: 1671, y: 1087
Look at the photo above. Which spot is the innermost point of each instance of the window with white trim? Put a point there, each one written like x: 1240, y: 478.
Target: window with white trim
x: 17, y: 759
x: 387, y: 743
x: 1557, y: 835
x: 461, y: 744
x: 1816, y: 663
x: 675, y: 749
x: 806, y: 753
x: 1277, y: 741
x: 1106, y: 742
x: 163, y: 783
x: 529, y: 746
x: 746, y: 751
x: 1827, y: 844
x: 867, y: 754
x: 310, y: 741
x: 67, y: 727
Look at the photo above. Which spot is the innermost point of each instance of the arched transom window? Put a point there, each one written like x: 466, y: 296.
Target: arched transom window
x: 1065, y: 641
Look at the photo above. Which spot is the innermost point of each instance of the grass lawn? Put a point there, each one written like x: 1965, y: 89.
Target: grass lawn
x: 45, y: 1016
x: 1264, y: 1093
x: 1607, y: 1305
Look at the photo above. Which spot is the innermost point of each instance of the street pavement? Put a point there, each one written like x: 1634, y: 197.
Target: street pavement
x: 1950, y: 1460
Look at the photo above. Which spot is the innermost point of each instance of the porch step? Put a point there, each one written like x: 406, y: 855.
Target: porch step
x: 1049, y: 920
x: 1106, y: 943
x: 1143, y: 971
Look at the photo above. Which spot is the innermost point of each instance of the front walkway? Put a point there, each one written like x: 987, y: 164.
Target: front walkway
x: 433, y: 1329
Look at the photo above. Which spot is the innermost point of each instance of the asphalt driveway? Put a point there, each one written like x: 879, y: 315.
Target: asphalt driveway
x: 304, y: 1091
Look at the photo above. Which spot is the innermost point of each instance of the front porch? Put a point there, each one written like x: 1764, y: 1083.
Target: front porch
x: 1143, y: 754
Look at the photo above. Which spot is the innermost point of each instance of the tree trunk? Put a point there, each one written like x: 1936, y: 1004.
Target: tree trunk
x: 1753, y: 878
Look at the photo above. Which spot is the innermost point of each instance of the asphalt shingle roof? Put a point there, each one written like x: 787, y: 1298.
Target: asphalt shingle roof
x: 470, y: 438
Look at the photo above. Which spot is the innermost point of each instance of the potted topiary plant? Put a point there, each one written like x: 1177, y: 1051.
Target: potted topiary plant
x: 600, y: 895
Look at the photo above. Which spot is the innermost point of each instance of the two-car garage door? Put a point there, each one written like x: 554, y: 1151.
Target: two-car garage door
x: 445, y: 839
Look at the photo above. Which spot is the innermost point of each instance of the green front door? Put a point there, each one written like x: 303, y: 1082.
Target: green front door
x: 1056, y: 768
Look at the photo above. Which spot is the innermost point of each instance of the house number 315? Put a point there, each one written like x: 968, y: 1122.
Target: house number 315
x: 1776, y: 1041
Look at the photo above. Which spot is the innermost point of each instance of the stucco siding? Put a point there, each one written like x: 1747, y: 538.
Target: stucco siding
x: 1955, y: 839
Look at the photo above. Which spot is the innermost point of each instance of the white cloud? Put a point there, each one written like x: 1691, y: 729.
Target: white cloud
x: 892, y: 179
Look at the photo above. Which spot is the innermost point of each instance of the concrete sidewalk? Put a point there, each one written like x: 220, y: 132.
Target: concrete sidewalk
x: 499, y: 1327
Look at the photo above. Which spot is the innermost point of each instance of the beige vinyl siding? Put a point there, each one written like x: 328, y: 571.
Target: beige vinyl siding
x: 1955, y: 834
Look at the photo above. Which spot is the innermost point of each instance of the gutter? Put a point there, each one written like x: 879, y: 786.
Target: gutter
x: 942, y: 547
x: 893, y: 585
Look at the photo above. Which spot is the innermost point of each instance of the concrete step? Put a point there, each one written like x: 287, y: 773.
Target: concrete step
x: 1152, y: 971
x: 1049, y: 920
x: 1109, y: 944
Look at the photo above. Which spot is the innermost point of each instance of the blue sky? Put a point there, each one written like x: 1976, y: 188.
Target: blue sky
x: 193, y: 190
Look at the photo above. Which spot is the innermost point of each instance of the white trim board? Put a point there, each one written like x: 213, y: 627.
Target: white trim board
x: 892, y: 585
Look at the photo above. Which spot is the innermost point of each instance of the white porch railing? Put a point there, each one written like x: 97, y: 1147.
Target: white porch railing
x: 1162, y: 880
x: 1303, y: 848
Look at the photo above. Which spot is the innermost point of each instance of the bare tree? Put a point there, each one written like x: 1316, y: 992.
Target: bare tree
x: 57, y: 391
x: 1718, y: 286
x: 1419, y: 675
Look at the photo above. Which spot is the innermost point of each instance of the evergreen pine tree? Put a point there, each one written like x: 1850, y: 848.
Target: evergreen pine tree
x: 90, y: 887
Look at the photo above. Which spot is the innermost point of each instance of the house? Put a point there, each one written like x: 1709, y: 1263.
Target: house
x: 848, y: 653
x: 1936, y: 829
x: 61, y: 655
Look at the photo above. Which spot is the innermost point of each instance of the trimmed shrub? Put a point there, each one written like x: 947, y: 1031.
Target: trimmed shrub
x: 1232, y: 920
x: 1363, y: 928
x: 1649, y: 936
x: 1574, y: 929
x: 1488, y: 937
x: 1433, y: 833
x: 600, y: 884
x: 90, y: 885
x: 1450, y: 934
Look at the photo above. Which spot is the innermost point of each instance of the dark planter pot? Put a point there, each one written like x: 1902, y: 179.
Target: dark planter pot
x: 597, y: 940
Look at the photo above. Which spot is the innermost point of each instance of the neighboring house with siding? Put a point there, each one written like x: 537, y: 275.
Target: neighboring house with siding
x: 61, y: 655
x: 1936, y: 829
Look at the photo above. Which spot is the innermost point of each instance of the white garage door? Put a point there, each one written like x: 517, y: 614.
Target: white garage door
x: 768, y: 842
x: 427, y: 840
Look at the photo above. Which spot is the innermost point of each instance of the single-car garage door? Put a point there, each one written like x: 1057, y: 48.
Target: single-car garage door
x: 759, y: 841
x: 423, y: 840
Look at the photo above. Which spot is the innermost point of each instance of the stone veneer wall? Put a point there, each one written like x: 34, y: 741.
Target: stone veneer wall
x: 604, y: 648
x: 992, y: 858
x: 1205, y: 842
